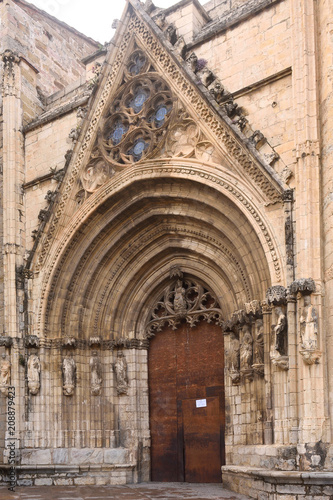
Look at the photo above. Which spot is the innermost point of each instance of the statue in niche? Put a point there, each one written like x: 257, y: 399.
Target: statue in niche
x: 120, y: 369
x: 309, y: 324
x: 96, y: 374
x: 69, y: 375
x: 33, y: 374
x: 246, y: 349
x: 179, y: 302
x: 259, y: 343
x: 5, y: 369
x: 279, y: 345
x: 233, y: 359
x: 280, y: 332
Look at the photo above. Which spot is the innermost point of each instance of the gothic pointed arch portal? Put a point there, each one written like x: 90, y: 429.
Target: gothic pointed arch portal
x: 186, y: 383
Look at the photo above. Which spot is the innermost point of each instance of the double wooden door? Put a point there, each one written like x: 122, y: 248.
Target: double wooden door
x: 186, y: 400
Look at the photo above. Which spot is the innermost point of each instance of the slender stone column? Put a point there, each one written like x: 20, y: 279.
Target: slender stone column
x: 308, y: 206
x: 13, y: 223
x: 325, y: 63
x: 268, y: 429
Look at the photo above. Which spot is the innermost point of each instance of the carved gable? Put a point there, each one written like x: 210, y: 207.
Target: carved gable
x: 149, y: 107
x: 144, y: 120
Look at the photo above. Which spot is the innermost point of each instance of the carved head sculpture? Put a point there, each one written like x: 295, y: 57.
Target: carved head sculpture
x: 307, y: 300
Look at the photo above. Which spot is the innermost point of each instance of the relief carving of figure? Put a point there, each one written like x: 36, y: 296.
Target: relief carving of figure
x: 259, y: 343
x: 95, y: 175
x: 183, y: 140
x: 5, y: 369
x: 33, y: 374
x: 233, y: 359
x: 280, y: 332
x: 120, y: 369
x: 96, y: 374
x: 69, y: 376
x: 246, y: 349
x: 179, y: 303
x: 309, y: 324
x: 233, y: 354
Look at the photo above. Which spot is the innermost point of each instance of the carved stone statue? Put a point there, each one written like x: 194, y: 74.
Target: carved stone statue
x: 280, y: 332
x: 120, y: 369
x: 69, y: 376
x: 179, y: 303
x: 309, y: 324
x: 233, y: 359
x: 246, y: 349
x: 96, y: 374
x: 33, y: 374
x: 5, y: 369
x: 259, y: 343
x: 258, y: 349
x: 279, y: 345
x: 233, y: 353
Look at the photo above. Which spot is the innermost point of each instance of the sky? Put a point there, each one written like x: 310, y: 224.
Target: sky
x: 91, y: 17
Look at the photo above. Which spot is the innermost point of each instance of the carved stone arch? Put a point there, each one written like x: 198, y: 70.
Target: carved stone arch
x: 185, y: 217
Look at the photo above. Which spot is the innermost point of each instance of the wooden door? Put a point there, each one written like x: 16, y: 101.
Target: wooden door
x: 202, y: 443
x: 186, y: 372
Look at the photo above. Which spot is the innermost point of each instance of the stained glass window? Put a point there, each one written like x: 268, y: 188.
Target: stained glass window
x: 139, y: 99
x: 138, y: 148
x: 136, y: 67
x: 118, y: 132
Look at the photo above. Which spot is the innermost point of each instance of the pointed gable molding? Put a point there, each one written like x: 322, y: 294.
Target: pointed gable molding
x: 191, y: 96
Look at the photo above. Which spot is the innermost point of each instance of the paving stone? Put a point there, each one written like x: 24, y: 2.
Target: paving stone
x: 144, y: 491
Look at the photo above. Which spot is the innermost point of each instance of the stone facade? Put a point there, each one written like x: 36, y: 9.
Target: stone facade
x: 179, y: 174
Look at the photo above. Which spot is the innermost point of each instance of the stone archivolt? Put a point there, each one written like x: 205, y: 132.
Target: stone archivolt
x: 99, y: 266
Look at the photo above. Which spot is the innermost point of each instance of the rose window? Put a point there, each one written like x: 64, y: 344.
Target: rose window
x: 137, y: 120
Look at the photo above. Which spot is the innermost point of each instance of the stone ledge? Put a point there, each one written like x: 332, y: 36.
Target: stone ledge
x: 263, y: 484
x: 75, y: 469
x: 280, y: 476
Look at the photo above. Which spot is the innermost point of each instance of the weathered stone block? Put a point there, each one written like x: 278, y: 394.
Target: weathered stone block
x: 43, y: 481
x: 31, y: 457
x: 86, y: 456
x: 84, y: 481
x: 60, y: 456
x: 116, y: 456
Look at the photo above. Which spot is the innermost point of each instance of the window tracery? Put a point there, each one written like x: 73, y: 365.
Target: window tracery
x: 184, y: 299
x: 143, y: 121
x: 136, y: 123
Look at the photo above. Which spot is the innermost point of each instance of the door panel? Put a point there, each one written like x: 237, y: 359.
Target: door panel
x: 185, y: 365
x: 202, y: 441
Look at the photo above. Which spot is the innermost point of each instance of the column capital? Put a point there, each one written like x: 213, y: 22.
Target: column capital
x: 9, y: 81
